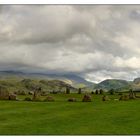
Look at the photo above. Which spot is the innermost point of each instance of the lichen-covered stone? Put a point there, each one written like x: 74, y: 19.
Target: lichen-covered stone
x: 86, y: 98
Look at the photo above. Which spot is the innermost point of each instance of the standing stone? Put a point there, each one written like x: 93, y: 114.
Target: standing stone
x: 34, y: 96
x: 79, y: 91
x: 36, y: 93
x: 67, y: 90
x: 4, y: 94
x: 105, y: 98
x: 112, y: 91
x: 49, y: 99
x: 101, y: 91
x: 72, y: 100
x: 86, y: 98
x: 124, y: 98
x: 132, y: 95
x: 13, y: 97
x: 96, y: 91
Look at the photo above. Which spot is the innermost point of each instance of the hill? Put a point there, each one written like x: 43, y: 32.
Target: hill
x: 71, y: 79
x: 136, y: 80
x: 116, y: 84
x: 56, y: 82
x: 136, y: 84
x: 27, y: 85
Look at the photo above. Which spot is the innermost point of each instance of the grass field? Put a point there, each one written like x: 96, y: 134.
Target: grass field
x: 70, y: 118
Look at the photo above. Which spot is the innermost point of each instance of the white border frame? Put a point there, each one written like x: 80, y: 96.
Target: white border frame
x: 69, y: 2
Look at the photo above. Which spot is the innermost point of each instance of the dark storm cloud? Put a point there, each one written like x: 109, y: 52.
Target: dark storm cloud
x: 95, y: 42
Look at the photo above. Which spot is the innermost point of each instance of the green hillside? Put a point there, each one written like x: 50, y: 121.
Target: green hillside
x: 26, y: 85
x: 52, y: 82
x: 74, y: 80
x: 114, y: 84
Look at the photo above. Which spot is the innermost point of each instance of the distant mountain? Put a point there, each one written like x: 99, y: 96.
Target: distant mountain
x: 57, y: 81
x: 74, y: 80
x: 136, y: 84
x: 136, y: 80
x: 116, y: 84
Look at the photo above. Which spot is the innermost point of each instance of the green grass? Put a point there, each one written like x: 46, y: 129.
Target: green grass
x: 70, y: 118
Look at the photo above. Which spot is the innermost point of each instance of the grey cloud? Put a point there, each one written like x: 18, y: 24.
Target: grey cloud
x: 95, y: 42
x: 135, y: 14
x: 44, y: 24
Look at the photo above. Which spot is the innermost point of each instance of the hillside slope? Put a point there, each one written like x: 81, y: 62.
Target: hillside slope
x: 27, y: 85
x: 74, y: 80
x: 116, y: 84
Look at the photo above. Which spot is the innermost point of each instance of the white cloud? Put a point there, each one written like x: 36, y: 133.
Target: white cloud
x: 96, y: 42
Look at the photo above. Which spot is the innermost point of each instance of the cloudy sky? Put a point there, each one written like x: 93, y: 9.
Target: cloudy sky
x: 96, y: 41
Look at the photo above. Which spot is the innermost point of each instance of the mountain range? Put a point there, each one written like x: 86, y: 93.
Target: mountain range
x: 71, y: 80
